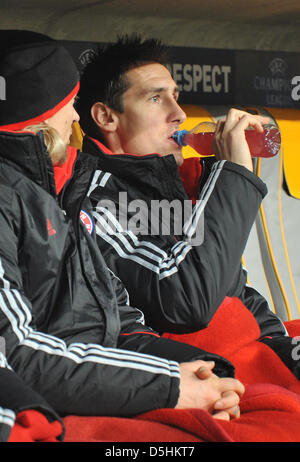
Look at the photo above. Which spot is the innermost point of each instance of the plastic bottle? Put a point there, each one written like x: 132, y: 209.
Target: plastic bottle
x: 200, y: 138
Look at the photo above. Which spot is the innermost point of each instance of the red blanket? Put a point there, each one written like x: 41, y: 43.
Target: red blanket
x: 232, y: 333
x: 31, y: 426
x: 269, y: 414
x: 270, y: 407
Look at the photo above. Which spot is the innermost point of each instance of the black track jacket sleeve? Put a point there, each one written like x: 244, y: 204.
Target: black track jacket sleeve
x: 180, y: 282
x: 16, y: 397
x: 75, y: 378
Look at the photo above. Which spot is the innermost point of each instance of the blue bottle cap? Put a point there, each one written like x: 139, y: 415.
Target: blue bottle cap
x: 179, y: 137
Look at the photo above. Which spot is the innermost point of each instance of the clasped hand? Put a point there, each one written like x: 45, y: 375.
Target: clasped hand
x: 200, y: 388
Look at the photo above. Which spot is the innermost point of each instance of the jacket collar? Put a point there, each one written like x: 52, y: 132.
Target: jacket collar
x: 27, y: 153
x: 155, y: 174
x: 149, y: 167
x: 125, y: 164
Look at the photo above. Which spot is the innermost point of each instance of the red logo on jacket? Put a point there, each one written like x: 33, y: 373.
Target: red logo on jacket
x: 51, y: 230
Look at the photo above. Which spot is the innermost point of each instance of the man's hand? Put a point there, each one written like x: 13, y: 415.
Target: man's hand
x: 229, y: 403
x: 230, y: 140
x: 200, y: 388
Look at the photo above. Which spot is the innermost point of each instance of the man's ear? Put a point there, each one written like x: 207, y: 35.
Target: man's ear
x: 104, y: 117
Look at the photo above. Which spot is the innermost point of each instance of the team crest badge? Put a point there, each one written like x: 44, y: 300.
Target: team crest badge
x: 87, y: 221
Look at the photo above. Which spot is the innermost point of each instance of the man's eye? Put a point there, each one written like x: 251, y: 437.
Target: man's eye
x: 155, y: 98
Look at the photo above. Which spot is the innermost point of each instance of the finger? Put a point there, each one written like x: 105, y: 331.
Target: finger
x: 240, y: 121
x: 246, y: 122
x: 194, y: 365
x: 203, y: 373
x: 219, y: 128
x: 210, y: 364
x: 235, y: 115
x: 255, y: 122
x: 228, y: 414
x: 228, y: 400
x: 222, y: 415
x: 205, y: 370
x: 229, y: 384
x: 240, y: 388
x: 234, y: 412
x: 217, y: 137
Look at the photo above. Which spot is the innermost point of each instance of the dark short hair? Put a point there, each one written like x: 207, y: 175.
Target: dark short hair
x: 104, y: 77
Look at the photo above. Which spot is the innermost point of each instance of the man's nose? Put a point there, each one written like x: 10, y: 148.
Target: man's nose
x: 182, y: 114
x: 178, y: 113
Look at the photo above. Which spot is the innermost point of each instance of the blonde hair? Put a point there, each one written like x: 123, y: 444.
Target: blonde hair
x: 55, y: 145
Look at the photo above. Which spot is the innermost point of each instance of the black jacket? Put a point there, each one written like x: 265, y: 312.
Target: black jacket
x: 17, y: 397
x: 66, y: 319
x: 178, y: 281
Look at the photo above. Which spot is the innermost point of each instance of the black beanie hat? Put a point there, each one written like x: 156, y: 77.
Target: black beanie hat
x: 40, y: 78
